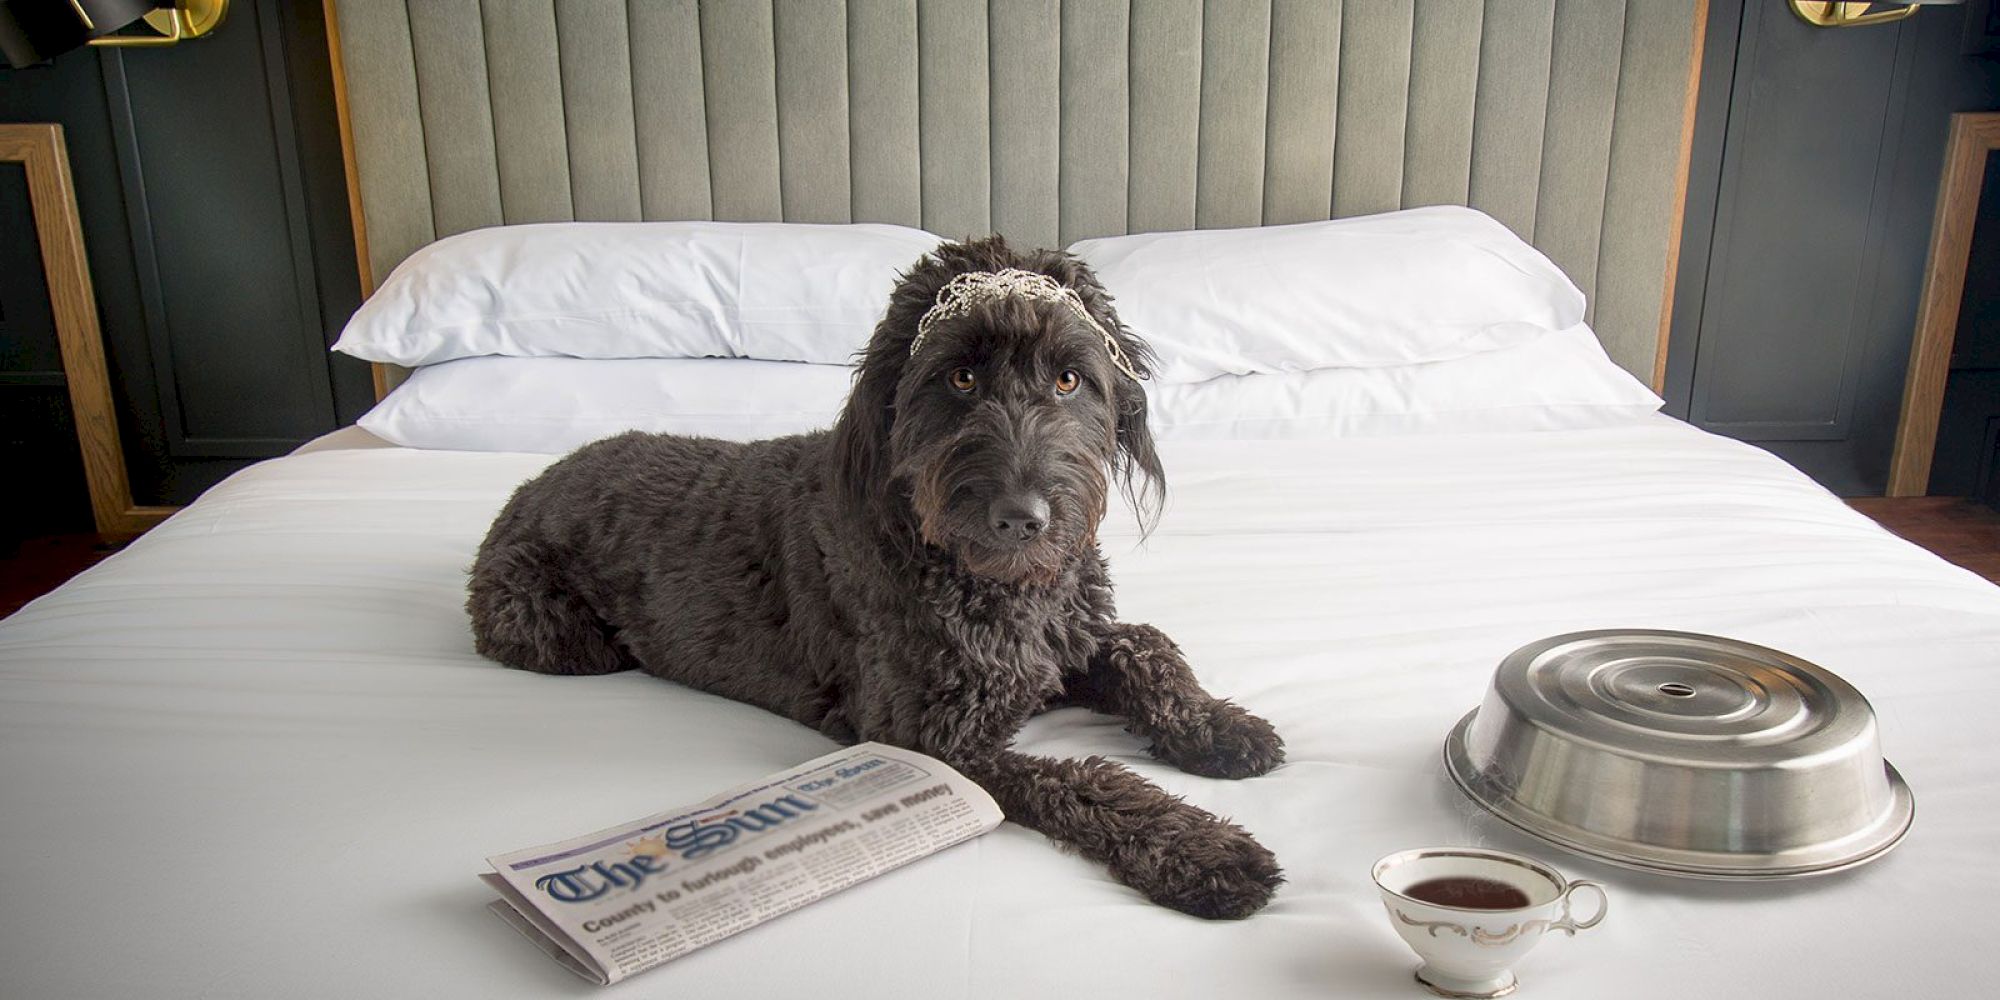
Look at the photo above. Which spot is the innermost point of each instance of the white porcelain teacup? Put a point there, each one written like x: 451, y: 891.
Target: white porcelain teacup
x: 1469, y: 945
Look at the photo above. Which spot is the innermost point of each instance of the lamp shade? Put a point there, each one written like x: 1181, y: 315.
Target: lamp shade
x: 34, y: 31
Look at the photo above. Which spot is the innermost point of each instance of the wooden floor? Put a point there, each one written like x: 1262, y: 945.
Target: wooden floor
x: 40, y: 565
x: 1960, y: 530
x: 1965, y: 532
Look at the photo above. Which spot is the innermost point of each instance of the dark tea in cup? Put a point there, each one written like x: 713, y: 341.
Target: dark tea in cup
x: 1469, y: 893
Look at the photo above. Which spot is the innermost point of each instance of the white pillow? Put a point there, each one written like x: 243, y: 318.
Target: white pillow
x: 776, y: 291
x: 1557, y: 381
x: 1427, y: 284
x: 553, y: 405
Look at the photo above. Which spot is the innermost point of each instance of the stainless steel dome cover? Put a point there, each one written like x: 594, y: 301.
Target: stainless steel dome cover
x: 1683, y: 754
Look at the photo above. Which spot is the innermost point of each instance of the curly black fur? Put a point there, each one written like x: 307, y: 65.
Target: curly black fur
x: 855, y: 580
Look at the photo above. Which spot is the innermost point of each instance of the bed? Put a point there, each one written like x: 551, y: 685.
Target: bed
x: 255, y: 754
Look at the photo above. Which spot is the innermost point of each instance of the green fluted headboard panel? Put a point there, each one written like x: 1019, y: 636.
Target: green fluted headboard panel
x: 1045, y: 121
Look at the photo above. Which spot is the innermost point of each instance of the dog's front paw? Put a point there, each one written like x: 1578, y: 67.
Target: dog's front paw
x: 1203, y: 866
x: 1221, y: 740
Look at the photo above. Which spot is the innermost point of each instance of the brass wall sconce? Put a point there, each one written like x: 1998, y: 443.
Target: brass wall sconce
x: 179, y: 20
x: 1853, y: 15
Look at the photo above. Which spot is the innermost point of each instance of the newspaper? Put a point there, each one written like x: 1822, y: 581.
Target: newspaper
x: 625, y: 899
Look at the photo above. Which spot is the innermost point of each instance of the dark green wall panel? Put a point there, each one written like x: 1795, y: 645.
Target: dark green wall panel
x: 1810, y: 200
x: 214, y: 212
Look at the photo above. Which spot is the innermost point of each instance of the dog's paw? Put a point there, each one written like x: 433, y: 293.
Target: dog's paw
x: 1222, y: 741
x: 1205, y: 866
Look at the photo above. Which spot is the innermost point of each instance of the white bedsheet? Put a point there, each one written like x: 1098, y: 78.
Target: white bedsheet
x: 255, y: 755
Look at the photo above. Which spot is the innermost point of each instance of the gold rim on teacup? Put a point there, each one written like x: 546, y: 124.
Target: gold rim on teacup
x: 1556, y: 882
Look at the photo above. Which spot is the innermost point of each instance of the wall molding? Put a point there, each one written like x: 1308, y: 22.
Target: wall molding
x: 1835, y: 421
x: 307, y: 336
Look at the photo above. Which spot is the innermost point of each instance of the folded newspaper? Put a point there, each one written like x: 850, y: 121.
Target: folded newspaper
x: 625, y: 899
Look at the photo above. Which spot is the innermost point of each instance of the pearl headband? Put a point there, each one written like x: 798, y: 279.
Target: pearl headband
x: 975, y: 288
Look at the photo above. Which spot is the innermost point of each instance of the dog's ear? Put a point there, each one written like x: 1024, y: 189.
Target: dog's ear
x: 1140, y: 475
x: 861, y: 435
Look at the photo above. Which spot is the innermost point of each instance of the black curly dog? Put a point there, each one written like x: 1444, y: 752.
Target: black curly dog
x: 925, y: 574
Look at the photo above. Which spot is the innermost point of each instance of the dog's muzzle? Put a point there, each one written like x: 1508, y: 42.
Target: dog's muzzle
x: 1017, y: 518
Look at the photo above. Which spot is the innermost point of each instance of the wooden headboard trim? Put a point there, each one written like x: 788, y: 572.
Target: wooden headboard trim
x: 380, y: 373
x: 1659, y: 382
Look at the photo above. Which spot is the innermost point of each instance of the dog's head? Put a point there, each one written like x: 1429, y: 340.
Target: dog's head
x: 1002, y: 432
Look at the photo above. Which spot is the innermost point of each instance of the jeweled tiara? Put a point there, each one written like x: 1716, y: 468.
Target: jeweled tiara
x: 975, y: 288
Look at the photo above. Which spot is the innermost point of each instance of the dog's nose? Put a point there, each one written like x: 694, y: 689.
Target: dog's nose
x: 1018, y: 518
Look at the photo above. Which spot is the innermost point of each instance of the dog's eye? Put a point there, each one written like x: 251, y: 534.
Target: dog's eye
x: 1067, y: 381
x: 962, y: 379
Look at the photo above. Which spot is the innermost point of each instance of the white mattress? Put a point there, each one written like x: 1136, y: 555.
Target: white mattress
x: 255, y: 755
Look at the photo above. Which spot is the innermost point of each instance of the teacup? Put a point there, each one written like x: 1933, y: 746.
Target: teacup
x: 1471, y: 914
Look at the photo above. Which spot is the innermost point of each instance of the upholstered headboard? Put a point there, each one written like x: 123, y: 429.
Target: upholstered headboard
x: 1048, y: 122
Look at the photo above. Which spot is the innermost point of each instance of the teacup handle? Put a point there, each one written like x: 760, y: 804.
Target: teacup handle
x: 1569, y: 924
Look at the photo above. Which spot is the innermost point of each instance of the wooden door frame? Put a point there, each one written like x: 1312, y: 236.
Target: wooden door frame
x: 1973, y: 136
x: 52, y: 197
